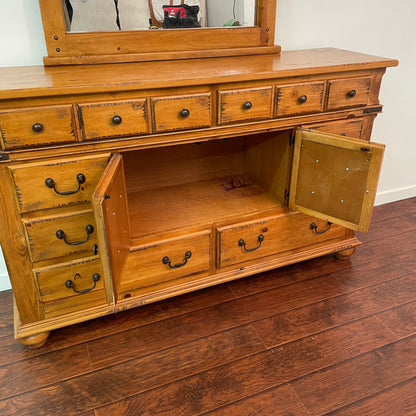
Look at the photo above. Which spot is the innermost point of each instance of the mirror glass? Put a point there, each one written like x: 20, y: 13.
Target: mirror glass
x: 115, y: 15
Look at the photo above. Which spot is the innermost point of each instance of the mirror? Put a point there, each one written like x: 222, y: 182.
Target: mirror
x: 145, y: 30
x: 114, y: 15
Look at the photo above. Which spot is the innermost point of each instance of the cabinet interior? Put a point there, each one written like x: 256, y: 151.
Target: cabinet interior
x: 197, y: 185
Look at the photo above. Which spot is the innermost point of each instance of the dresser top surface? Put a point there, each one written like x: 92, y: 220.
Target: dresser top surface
x: 36, y: 81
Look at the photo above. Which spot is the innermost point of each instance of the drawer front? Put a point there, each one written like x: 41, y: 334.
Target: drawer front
x: 244, y: 104
x: 299, y: 98
x: 57, y: 236
x: 56, y: 183
x: 73, y: 285
x: 181, y: 112
x: 349, y: 128
x: 348, y: 92
x: 113, y: 119
x: 253, y: 240
x: 37, y: 127
x: 167, y: 260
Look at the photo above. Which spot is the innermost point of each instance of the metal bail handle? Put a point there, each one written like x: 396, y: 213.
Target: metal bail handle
x: 242, y: 243
x: 61, y: 235
x: 167, y: 261
x: 50, y: 183
x: 314, y: 227
x: 69, y: 284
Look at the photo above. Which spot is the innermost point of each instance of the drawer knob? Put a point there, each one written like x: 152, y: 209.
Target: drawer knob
x: 60, y: 234
x: 351, y: 94
x: 37, y: 127
x: 184, y: 113
x: 314, y: 227
x: 242, y: 243
x: 116, y: 119
x: 303, y: 99
x: 50, y: 183
x: 167, y: 261
x: 247, y: 105
x: 69, y: 284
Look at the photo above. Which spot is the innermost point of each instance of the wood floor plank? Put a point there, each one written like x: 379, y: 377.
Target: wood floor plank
x: 401, y: 319
x: 6, y: 301
x: 43, y: 370
x: 358, y: 378
x: 110, y: 384
x: 248, y: 376
x: 183, y: 328
x: 393, y: 209
x: 281, y: 401
x: 342, y: 309
x: 397, y: 401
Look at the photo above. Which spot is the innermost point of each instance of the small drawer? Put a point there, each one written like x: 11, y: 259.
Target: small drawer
x: 71, y: 286
x: 57, y: 236
x: 299, y: 98
x: 113, y: 119
x: 166, y: 260
x: 244, y: 104
x: 349, y: 128
x: 349, y: 92
x: 36, y: 127
x: 56, y: 183
x: 252, y: 240
x: 181, y: 112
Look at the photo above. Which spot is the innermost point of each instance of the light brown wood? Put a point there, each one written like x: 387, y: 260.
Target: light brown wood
x: 348, y: 92
x: 335, y: 178
x: 159, y: 185
x: 37, y: 126
x: 181, y: 112
x: 70, y: 48
x: 32, y: 194
x: 248, y: 104
x: 299, y: 98
x: 42, y: 235
x: 125, y: 118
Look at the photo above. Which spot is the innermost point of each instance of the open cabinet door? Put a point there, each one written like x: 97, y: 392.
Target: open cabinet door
x: 113, y: 228
x: 335, y: 178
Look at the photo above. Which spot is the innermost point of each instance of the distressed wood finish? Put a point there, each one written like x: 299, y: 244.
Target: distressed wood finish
x: 285, y: 341
x: 161, y: 182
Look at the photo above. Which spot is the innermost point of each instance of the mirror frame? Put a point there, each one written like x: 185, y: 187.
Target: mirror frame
x: 65, y: 48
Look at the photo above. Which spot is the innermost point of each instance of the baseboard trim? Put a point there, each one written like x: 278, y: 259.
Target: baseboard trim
x: 395, y: 195
x: 4, y: 282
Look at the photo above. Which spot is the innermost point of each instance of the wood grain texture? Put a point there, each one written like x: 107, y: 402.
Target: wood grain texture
x: 320, y: 337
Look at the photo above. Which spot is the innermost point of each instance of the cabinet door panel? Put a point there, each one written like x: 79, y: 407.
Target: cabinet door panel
x: 335, y: 178
x: 112, y: 219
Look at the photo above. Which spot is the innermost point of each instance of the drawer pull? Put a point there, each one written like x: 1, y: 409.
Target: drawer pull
x: 50, y: 183
x: 184, y: 113
x: 70, y: 284
x: 303, y: 99
x: 247, y: 105
x: 314, y: 227
x: 351, y: 94
x: 61, y: 235
x: 116, y: 119
x: 242, y: 243
x: 166, y: 260
x: 37, y: 128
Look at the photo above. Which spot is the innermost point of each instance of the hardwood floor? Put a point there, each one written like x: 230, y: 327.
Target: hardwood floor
x: 324, y: 337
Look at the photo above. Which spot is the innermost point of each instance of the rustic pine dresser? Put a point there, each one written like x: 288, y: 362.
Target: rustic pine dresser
x: 124, y: 183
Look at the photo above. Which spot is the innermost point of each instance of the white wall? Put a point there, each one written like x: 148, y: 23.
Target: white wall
x: 378, y: 27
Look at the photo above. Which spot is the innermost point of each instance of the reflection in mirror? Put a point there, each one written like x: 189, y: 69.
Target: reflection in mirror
x: 114, y: 15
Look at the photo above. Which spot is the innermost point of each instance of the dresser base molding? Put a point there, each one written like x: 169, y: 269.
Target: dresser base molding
x: 35, y: 334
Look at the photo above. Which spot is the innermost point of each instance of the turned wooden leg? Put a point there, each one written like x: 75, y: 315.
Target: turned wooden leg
x: 344, y: 254
x: 34, y: 341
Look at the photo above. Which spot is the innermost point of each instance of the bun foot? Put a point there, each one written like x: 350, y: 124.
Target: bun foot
x: 34, y: 341
x: 344, y: 254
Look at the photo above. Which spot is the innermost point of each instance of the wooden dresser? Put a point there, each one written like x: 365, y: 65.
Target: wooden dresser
x: 123, y: 184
